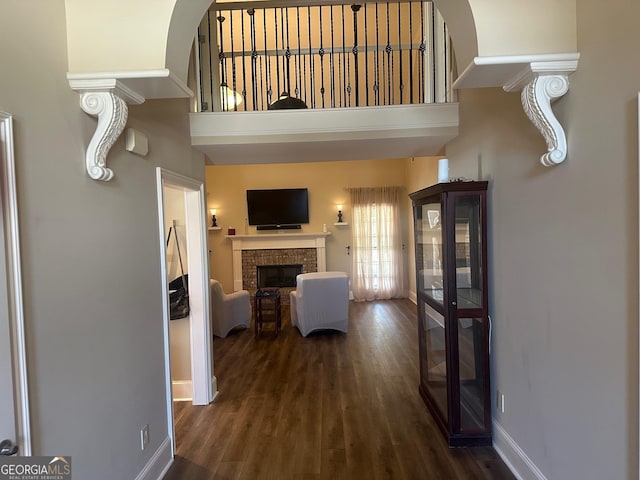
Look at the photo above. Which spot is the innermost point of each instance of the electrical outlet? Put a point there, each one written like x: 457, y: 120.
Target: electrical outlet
x: 500, y: 401
x: 144, y: 437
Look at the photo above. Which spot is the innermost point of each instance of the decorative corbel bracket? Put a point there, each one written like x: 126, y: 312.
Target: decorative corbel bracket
x: 107, y: 100
x: 536, y: 101
x: 541, y: 83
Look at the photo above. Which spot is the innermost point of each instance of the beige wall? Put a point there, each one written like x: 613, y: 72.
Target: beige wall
x: 90, y: 253
x: 327, y: 183
x: 563, y: 249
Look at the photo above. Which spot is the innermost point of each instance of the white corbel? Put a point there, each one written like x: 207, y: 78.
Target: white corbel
x: 536, y: 97
x: 542, y: 83
x: 107, y: 100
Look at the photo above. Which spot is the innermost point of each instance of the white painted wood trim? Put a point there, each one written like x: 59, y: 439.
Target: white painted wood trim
x: 182, y: 390
x: 214, y: 388
x: 159, y: 464
x: 200, y: 318
x: 9, y: 191
x: 201, y: 348
x: 413, y: 297
x: 153, y: 83
x: 269, y: 241
x: 513, y: 456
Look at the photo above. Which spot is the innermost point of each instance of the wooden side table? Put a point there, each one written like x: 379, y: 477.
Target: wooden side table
x: 267, y: 309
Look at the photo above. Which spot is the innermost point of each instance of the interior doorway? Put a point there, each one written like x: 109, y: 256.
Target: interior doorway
x: 203, y: 384
x: 15, y: 429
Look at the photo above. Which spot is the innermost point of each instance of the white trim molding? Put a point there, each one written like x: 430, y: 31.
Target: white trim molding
x: 9, y: 215
x: 159, y: 463
x: 513, y: 456
x: 107, y: 100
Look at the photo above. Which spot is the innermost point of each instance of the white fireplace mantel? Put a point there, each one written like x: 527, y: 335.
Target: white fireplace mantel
x: 268, y: 241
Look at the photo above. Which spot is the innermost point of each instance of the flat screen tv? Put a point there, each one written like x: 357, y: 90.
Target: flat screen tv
x: 278, y: 208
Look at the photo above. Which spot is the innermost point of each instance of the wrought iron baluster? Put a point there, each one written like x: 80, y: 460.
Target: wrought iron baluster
x: 331, y: 64
x: 244, y: 63
x: 233, y: 63
x: 411, y: 53
x: 344, y: 62
x: 321, y: 53
x: 223, y: 76
x: 356, y: 9
x: 366, y: 57
x: 254, y: 58
x: 267, y: 60
x: 376, y: 85
x: 262, y: 85
x: 311, y: 62
x: 388, y: 50
x: 210, y: 58
x: 348, y: 70
x: 422, y: 96
x: 433, y: 57
x: 277, y: 53
x: 299, y: 86
x: 400, y: 52
x: 445, y: 66
x: 287, y: 52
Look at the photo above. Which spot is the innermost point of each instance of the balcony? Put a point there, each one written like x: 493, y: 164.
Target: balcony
x: 323, y: 82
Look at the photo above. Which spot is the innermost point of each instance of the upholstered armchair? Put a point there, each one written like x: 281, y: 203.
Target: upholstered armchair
x: 228, y: 311
x: 320, y: 302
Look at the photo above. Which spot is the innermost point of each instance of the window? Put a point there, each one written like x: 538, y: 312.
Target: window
x: 377, y: 245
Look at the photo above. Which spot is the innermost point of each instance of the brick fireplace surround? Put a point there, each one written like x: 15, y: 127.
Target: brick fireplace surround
x: 250, y: 251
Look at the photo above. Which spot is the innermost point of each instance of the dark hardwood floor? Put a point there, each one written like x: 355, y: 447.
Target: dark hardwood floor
x: 329, y: 406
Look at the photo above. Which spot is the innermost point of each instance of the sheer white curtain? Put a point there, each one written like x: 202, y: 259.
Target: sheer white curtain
x: 377, y: 271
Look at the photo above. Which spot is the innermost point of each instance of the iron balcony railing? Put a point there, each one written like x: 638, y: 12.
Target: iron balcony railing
x: 323, y: 56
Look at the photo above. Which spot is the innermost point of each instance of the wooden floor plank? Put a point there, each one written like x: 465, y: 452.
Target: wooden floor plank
x: 328, y: 406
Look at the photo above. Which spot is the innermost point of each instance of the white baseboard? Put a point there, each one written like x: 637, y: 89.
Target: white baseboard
x: 182, y: 390
x: 158, y: 464
x: 518, y: 462
x: 413, y: 297
x: 214, y: 388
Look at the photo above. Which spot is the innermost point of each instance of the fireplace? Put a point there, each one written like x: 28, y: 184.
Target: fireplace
x: 278, y: 275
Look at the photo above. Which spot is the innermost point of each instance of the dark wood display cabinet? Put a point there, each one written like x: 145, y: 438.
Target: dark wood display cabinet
x: 450, y: 225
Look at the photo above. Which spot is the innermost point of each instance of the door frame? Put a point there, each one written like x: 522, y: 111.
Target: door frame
x: 203, y: 381
x: 9, y: 204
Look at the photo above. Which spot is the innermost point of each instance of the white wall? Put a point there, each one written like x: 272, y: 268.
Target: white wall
x: 563, y: 250
x: 91, y: 257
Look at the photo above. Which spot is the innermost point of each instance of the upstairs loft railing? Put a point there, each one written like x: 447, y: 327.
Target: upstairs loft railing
x: 322, y: 56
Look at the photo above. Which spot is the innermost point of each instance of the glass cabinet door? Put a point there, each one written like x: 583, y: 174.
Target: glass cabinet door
x: 430, y: 273
x: 473, y: 368
x: 468, y: 248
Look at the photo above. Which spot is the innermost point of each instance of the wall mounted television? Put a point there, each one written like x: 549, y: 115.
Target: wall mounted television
x: 284, y: 208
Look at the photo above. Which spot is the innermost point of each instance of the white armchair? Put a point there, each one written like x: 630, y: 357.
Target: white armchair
x: 320, y: 302
x: 228, y: 311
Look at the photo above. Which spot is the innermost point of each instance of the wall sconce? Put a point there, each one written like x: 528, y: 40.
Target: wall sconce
x: 339, y: 213
x: 213, y: 211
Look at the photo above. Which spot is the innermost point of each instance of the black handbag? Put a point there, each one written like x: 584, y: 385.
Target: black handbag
x: 178, y: 287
